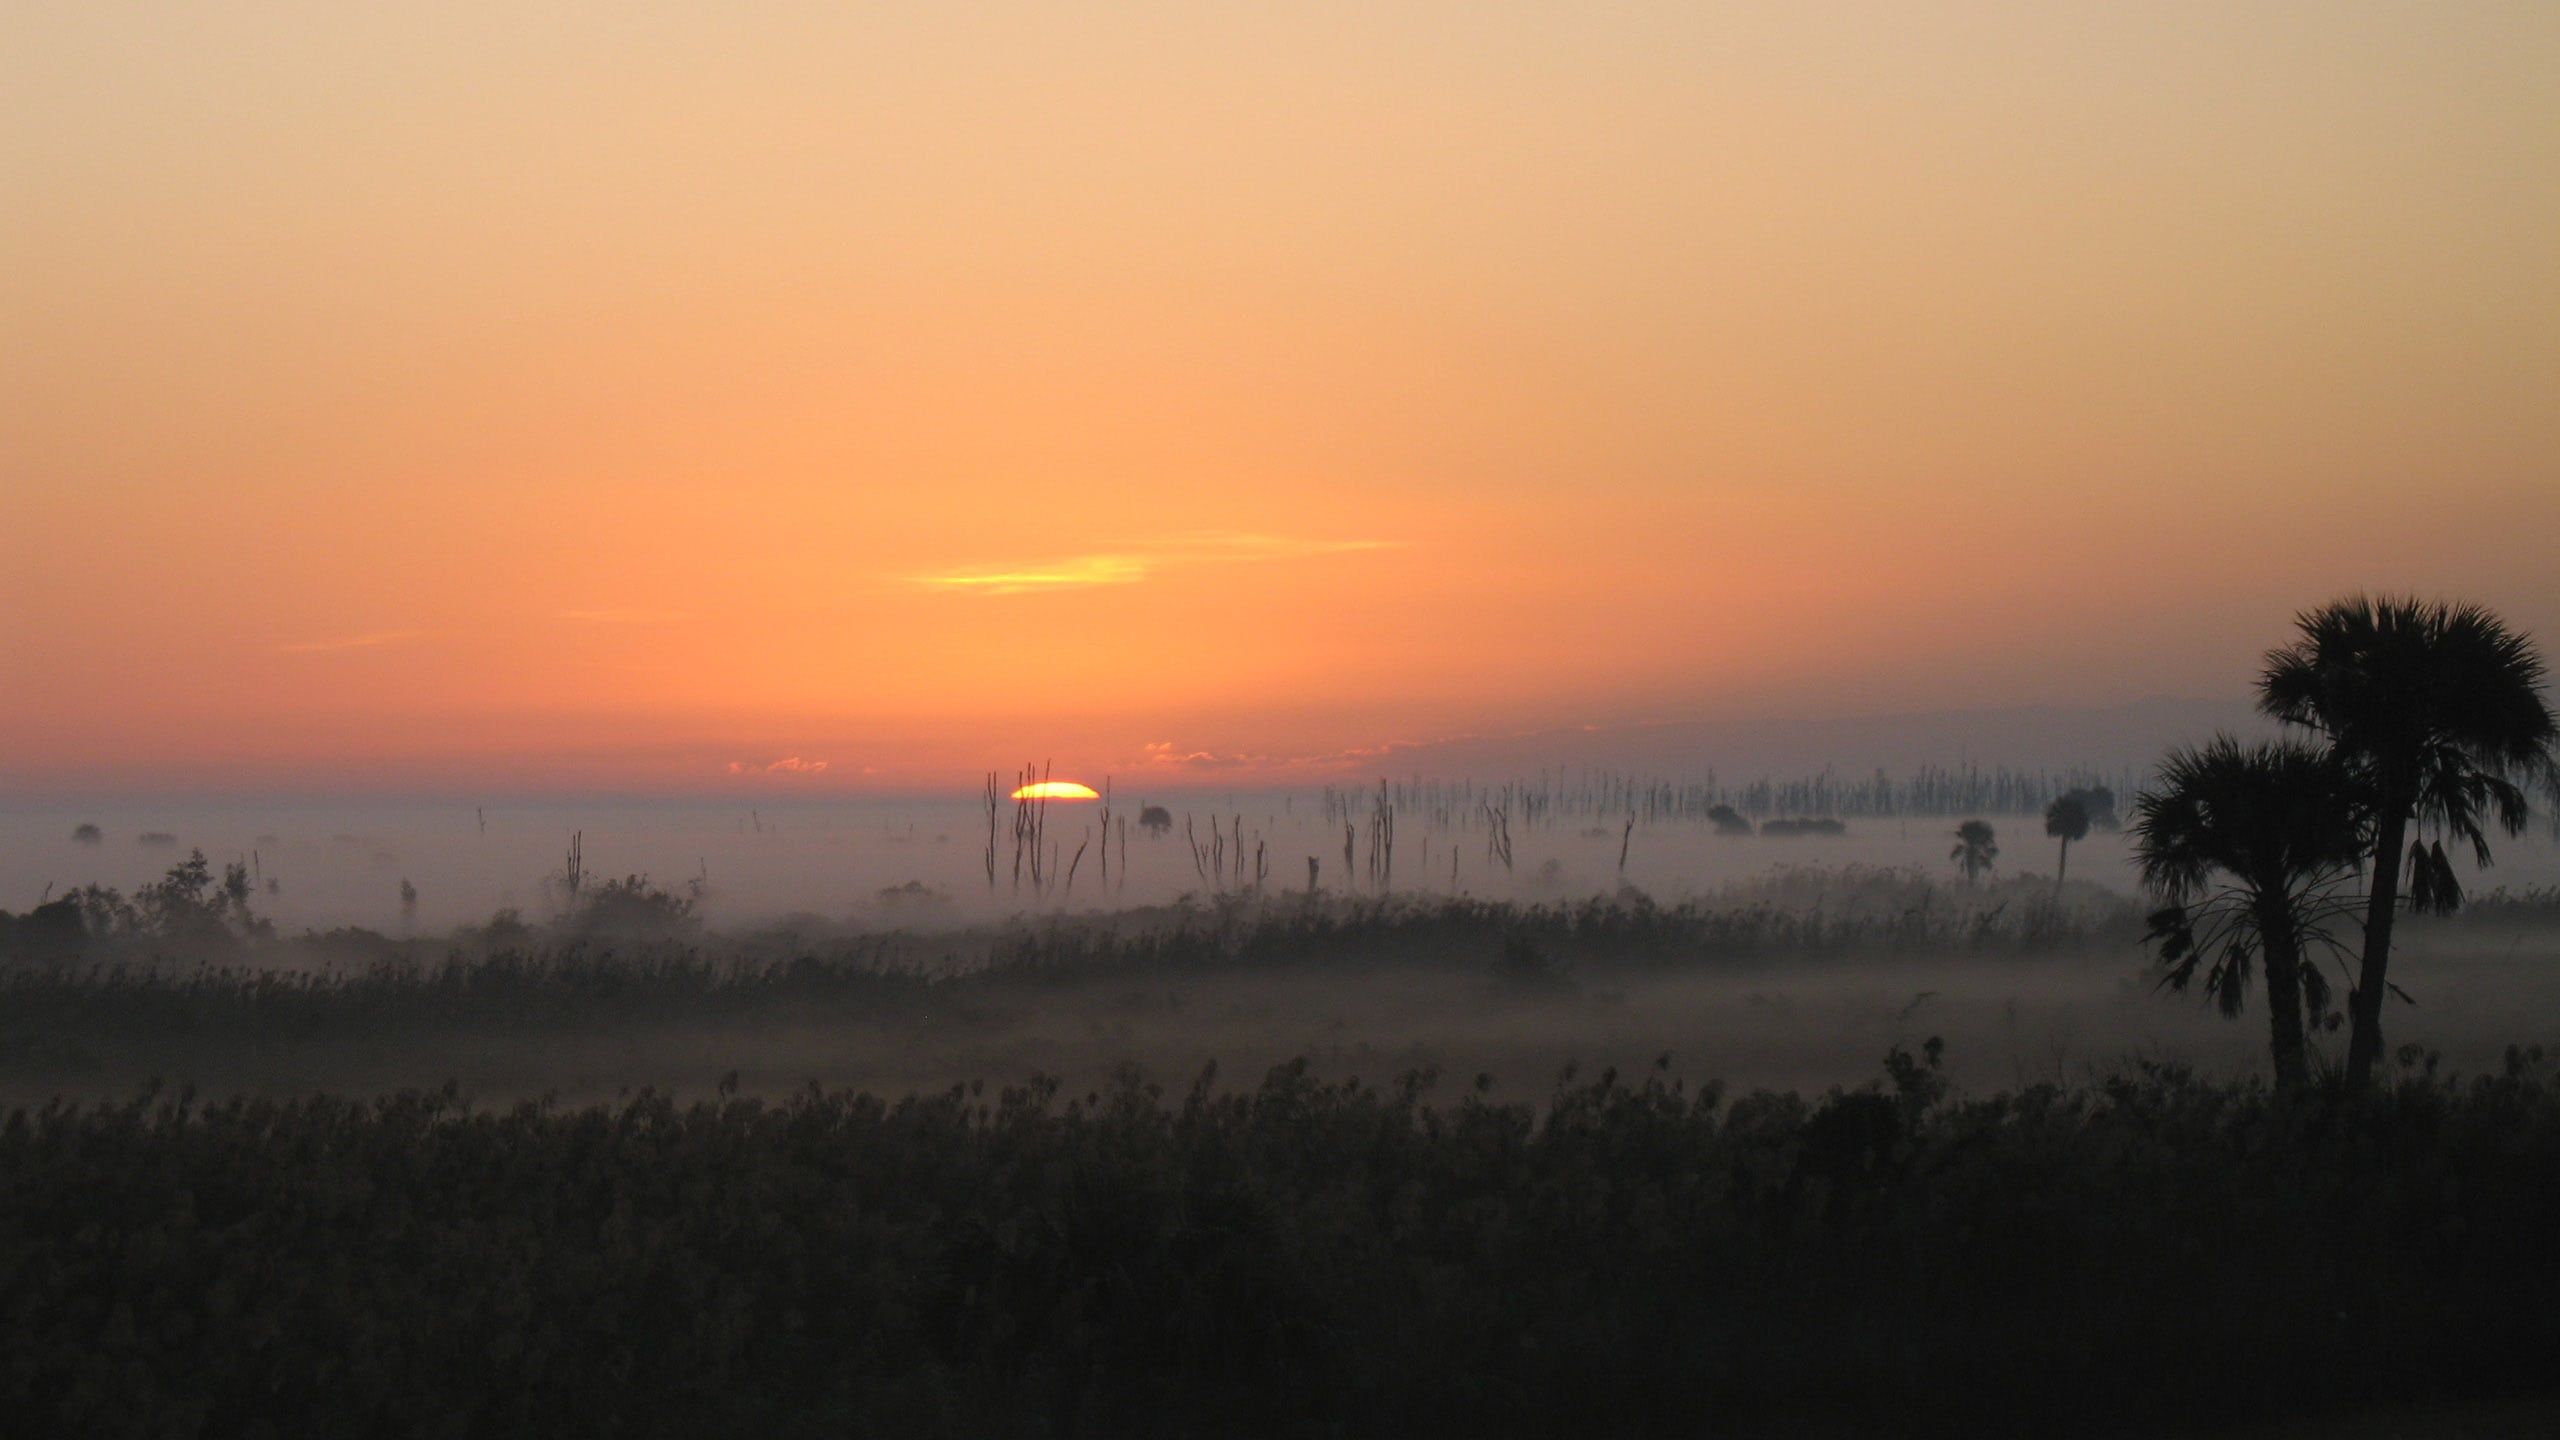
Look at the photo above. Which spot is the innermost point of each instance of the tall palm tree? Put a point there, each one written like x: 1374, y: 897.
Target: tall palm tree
x: 2438, y: 712
x: 2067, y: 817
x: 1975, y: 849
x: 2253, y: 851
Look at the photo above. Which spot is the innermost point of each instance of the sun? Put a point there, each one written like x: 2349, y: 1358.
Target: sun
x: 1057, y: 790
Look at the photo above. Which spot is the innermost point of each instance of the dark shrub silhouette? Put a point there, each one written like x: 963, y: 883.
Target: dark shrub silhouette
x: 1155, y: 820
x: 1977, y: 849
x: 631, y: 908
x: 49, y: 934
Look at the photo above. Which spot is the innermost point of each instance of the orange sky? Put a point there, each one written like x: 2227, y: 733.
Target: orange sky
x: 628, y: 396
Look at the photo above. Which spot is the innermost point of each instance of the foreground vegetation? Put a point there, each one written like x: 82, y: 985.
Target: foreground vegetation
x: 1298, y: 1258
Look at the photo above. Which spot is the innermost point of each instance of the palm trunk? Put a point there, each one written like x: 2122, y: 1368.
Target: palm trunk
x: 2284, y: 989
x: 2062, y: 866
x: 2364, y: 1007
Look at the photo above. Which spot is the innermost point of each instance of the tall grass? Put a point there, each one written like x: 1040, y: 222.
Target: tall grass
x: 2150, y: 1254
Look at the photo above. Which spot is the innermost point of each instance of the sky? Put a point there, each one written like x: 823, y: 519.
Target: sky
x: 797, y: 399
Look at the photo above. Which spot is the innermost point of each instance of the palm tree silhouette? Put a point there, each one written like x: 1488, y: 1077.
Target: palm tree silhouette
x: 2281, y: 822
x: 2437, y: 712
x: 2067, y: 817
x: 1975, y: 850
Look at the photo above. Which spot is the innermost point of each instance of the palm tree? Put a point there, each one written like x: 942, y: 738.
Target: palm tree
x: 2067, y: 817
x: 1975, y: 850
x: 2437, y: 711
x: 2253, y: 852
x: 2100, y: 802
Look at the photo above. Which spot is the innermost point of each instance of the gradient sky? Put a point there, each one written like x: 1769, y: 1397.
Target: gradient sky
x: 685, y: 397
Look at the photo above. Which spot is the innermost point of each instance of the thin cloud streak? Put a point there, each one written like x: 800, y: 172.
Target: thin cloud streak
x: 1071, y: 573
x: 793, y: 765
x: 1205, y: 547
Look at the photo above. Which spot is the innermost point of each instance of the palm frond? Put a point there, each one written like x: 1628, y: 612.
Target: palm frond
x: 2231, y: 832
x: 2433, y: 887
x: 2423, y: 698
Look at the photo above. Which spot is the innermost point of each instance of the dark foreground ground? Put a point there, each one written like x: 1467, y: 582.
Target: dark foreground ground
x: 2511, y: 1420
x: 2151, y: 1255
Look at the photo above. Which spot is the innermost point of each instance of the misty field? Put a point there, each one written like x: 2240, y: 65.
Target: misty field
x: 1794, y: 981
x: 920, y: 862
x: 1822, y: 1149
x: 899, y: 947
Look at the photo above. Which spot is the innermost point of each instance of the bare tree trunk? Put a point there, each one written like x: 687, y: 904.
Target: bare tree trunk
x: 2364, y: 1007
x: 2284, y: 989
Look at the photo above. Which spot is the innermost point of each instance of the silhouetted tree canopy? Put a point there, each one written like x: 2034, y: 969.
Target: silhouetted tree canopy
x: 2067, y: 819
x: 2253, y: 849
x: 1976, y: 849
x: 2437, y: 712
x: 2098, y: 802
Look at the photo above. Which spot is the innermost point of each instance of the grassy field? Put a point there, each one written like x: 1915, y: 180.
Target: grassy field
x: 2150, y: 1254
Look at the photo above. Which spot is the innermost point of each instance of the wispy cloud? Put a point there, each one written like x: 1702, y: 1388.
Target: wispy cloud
x: 1162, y: 755
x: 1129, y: 567
x: 792, y: 765
x: 367, y: 641
x: 1072, y: 572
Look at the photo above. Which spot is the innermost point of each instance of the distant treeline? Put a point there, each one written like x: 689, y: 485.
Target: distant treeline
x: 1931, y: 791
x: 2152, y: 1254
